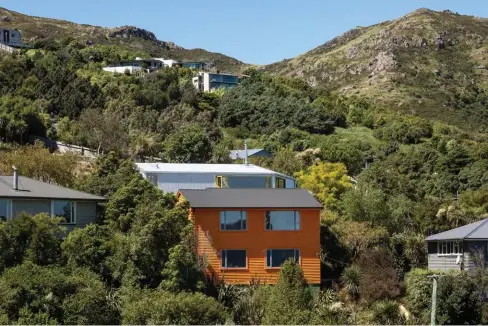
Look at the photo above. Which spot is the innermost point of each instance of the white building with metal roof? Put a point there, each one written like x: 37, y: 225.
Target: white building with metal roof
x: 171, y: 177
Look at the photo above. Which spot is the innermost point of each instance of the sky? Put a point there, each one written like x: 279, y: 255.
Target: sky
x: 253, y: 31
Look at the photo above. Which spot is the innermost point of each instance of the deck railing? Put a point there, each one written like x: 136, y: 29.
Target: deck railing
x: 6, y: 48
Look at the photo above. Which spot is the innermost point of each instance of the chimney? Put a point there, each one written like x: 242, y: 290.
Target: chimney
x: 15, y: 179
x: 245, y: 152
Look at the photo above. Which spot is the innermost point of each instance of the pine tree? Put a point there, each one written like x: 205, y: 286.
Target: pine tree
x: 290, y: 299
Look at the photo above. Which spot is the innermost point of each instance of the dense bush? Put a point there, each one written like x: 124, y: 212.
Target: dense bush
x: 459, y: 297
x: 165, y: 308
x: 290, y: 299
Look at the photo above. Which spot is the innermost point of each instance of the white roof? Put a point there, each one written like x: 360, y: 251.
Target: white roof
x: 205, y: 168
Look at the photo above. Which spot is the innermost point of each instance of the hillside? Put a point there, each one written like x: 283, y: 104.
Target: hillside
x: 428, y: 63
x: 38, y: 30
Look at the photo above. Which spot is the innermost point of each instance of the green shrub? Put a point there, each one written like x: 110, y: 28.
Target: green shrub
x: 459, y: 297
x: 290, y: 299
x: 161, y: 307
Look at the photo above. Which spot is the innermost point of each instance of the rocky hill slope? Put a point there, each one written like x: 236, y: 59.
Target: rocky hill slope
x: 38, y: 29
x: 429, y: 63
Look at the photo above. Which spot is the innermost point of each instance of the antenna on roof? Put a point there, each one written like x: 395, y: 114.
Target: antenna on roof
x: 245, y: 152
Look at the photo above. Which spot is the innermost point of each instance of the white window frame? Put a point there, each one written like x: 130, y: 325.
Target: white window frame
x: 225, y: 251
x: 296, y: 214
x: 243, y: 214
x: 449, y: 248
x: 294, y: 254
x: 73, y: 210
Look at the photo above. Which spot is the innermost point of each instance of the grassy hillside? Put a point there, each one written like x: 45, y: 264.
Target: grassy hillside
x: 428, y: 63
x: 38, y: 30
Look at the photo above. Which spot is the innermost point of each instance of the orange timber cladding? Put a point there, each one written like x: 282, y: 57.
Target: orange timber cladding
x: 256, y: 240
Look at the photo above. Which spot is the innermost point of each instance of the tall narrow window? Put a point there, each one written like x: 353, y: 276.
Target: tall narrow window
x: 4, y: 209
x: 276, y: 257
x: 282, y: 220
x: 280, y: 183
x: 233, y: 220
x: 221, y: 181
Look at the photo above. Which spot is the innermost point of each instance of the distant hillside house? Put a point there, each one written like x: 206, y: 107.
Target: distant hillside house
x: 131, y: 66
x: 209, y: 81
x: 12, y: 38
x: 171, y: 177
x: 19, y: 195
x: 193, y: 65
x: 462, y: 248
x: 168, y: 62
x: 254, y: 152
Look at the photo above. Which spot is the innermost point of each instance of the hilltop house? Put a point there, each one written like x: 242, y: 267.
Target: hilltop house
x: 19, y: 195
x: 246, y: 234
x: 209, y: 81
x: 132, y: 66
x: 149, y: 65
x: 462, y: 248
x: 171, y: 177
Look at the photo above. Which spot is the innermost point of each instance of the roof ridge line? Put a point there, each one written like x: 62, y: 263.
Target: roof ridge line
x: 476, y: 228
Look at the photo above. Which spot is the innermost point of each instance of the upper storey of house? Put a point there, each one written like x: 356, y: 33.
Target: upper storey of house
x: 171, y: 177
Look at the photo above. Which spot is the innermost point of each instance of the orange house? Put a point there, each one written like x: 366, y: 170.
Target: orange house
x: 246, y: 234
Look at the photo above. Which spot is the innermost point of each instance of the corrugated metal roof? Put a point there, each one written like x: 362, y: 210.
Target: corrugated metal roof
x: 476, y: 230
x: 250, y: 198
x: 242, y: 169
x: 240, y: 153
x: 30, y: 188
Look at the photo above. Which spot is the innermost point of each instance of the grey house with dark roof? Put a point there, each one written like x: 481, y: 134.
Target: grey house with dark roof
x: 24, y: 195
x: 462, y: 248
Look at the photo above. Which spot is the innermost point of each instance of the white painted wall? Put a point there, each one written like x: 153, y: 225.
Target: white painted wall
x: 121, y: 70
x: 172, y: 182
x: 167, y: 62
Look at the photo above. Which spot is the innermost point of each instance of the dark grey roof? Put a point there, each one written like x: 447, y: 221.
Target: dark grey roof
x: 240, y: 153
x: 250, y: 198
x: 476, y: 230
x: 30, y: 188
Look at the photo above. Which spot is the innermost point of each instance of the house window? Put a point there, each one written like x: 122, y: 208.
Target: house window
x: 446, y: 248
x: 64, y: 209
x: 280, y: 183
x: 233, y: 220
x: 152, y: 178
x: 276, y: 257
x: 5, y: 207
x: 282, y: 220
x: 234, y: 259
x: 221, y: 181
